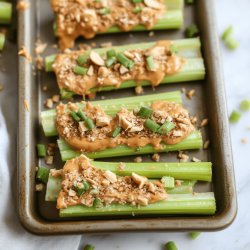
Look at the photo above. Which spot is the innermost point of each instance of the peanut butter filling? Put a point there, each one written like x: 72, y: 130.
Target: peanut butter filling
x: 134, y: 130
x: 152, y: 64
x: 86, y: 18
x: 84, y: 184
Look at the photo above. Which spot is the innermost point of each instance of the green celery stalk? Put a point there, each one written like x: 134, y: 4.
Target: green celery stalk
x: 193, y: 141
x: 54, y: 187
x: 111, y: 107
x: 189, y: 48
x: 199, y: 204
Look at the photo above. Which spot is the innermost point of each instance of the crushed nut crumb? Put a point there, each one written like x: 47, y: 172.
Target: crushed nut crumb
x: 106, y: 45
x: 55, y: 98
x: 190, y: 94
x: 49, y: 160
x: 193, y: 120
x: 45, y: 88
x: 40, y: 47
x: 204, y: 122
x: 177, y: 183
x: 183, y: 90
x: 183, y: 157
x: 244, y: 140
x: 139, y: 90
x: 26, y: 105
x: 39, y: 187
x: 23, y: 52
x: 194, y: 159
x: 22, y: 5
x: 151, y: 34
x: 206, y: 144
x: 138, y: 159
x: 49, y: 103
x: 156, y: 157
x: 39, y: 62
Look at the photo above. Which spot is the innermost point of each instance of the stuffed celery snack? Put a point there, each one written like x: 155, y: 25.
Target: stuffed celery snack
x: 126, y: 126
x: 86, y: 188
x: 86, y: 72
x: 88, y: 18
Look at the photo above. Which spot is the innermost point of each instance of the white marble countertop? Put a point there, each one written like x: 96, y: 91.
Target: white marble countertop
x: 236, y: 70
x: 236, y: 237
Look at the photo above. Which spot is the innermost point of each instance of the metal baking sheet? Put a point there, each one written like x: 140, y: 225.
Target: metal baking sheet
x: 41, y: 217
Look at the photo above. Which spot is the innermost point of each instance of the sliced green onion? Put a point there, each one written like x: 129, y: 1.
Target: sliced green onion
x: 145, y: 112
x: 89, y: 247
x: 126, y: 62
x: 192, y: 31
x: 75, y: 116
x: 235, y: 116
x: 168, y: 182
x: 245, y: 105
x: 136, y: 1
x: 66, y: 94
x: 189, y: 1
x: 110, y: 61
x: 42, y: 174
x: 41, y: 150
x: 82, y: 59
x: 89, y: 123
x: 86, y: 185
x: 194, y: 235
x: 137, y: 9
x: 104, y: 11
x: 227, y: 33
x: 231, y: 43
x: 81, y: 115
x: 80, y: 70
x: 97, y: 202
x: 166, y: 127
x: 80, y: 191
x: 151, y: 125
x: 171, y: 246
x: 150, y: 63
x: 116, y: 132
x: 111, y: 53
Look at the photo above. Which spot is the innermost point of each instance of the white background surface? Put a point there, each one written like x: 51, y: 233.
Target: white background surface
x: 236, y: 237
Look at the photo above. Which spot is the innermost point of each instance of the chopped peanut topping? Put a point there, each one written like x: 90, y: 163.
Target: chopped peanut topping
x: 105, y: 186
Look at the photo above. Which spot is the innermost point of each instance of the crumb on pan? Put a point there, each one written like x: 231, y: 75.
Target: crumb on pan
x: 156, y: 157
x: 23, y: 52
x: 22, y: 5
x: 26, y: 105
x: 206, y: 144
x: 190, y: 94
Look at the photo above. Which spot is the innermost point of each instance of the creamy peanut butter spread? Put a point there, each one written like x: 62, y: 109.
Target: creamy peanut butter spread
x: 84, y: 184
x: 134, y: 131
x: 98, y: 73
x: 86, y: 18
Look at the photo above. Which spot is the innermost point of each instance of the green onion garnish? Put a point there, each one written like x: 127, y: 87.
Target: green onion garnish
x: 126, y: 62
x: 145, y: 112
x: 111, y: 53
x: 151, y: 125
x: 41, y: 150
x: 137, y: 9
x: 110, y: 61
x: 104, y: 11
x: 245, y: 105
x: 82, y: 59
x: 136, y: 1
x: 89, y: 247
x: 235, y: 116
x: 80, y: 191
x: 75, y: 116
x: 150, y: 63
x: 81, y: 115
x: 192, y: 31
x: 166, y: 127
x: 116, y: 132
x: 97, y: 202
x: 85, y: 185
x: 168, y: 182
x: 42, y: 174
x: 171, y: 246
x: 89, y: 123
x: 80, y: 70
x: 194, y: 235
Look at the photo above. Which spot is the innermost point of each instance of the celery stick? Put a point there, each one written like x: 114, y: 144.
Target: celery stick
x: 111, y: 107
x: 193, y: 141
x: 200, y: 204
x: 182, y: 46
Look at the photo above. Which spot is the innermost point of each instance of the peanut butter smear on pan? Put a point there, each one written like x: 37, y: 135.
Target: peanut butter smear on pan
x: 124, y: 128
x: 86, y: 18
x: 87, y: 185
x: 152, y: 64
